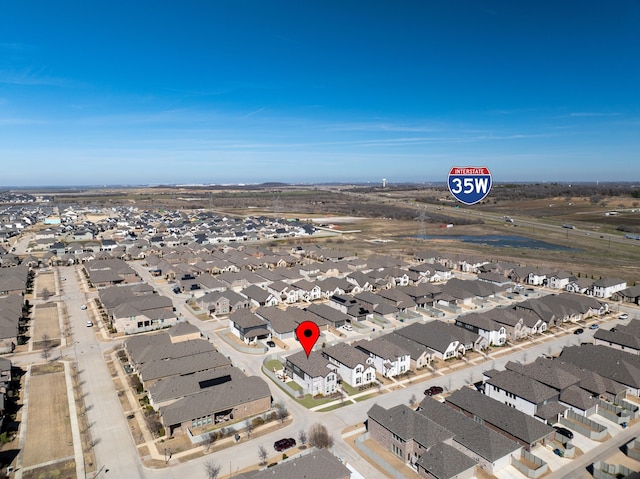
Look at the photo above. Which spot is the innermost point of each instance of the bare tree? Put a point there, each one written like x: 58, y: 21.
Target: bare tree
x: 302, y: 437
x: 210, y: 439
x: 212, y: 469
x: 412, y: 400
x: 45, y: 294
x: 262, y: 454
x: 249, y: 427
x: 47, y: 346
x: 319, y: 436
x: 378, y: 386
x: 282, y: 412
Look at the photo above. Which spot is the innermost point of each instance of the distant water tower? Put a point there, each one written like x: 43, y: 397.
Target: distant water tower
x: 384, y: 182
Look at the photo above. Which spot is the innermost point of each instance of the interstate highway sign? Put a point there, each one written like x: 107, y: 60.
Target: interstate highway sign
x: 469, y: 184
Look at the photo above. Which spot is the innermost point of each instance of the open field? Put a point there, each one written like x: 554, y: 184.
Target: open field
x: 45, y: 322
x: 48, y: 435
x: 45, y: 285
x: 388, y: 220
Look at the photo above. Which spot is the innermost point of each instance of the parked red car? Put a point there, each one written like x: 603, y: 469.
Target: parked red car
x: 433, y: 390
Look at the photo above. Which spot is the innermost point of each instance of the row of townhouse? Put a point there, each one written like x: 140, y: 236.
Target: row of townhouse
x: 437, y: 440
x: 137, y: 308
x: 191, y: 385
x: 548, y: 388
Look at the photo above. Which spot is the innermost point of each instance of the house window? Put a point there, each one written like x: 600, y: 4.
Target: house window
x: 358, y: 380
x: 193, y: 423
x: 358, y: 370
x: 396, y: 450
x: 368, y: 376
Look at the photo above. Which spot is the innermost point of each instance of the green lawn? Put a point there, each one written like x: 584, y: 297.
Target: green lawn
x: 308, y: 401
x: 294, y: 385
x: 335, y: 406
x: 273, y: 363
x: 349, y: 389
x: 364, y: 398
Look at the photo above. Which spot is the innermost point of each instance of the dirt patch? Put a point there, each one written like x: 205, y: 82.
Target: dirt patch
x: 48, y: 368
x: 45, y: 285
x: 46, y: 322
x: 59, y: 470
x: 48, y: 435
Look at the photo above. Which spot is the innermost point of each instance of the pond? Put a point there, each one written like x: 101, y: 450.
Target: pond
x: 502, y: 241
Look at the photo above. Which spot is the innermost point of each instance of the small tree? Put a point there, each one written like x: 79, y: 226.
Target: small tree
x: 319, y: 436
x: 302, y: 437
x: 282, y: 412
x: 412, y: 400
x: 212, y: 470
x: 249, y: 427
x: 47, y: 346
x: 210, y: 439
x: 45, y: 294
x: 262, y: 454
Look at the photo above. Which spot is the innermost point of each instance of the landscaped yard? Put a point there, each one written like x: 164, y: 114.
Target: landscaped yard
x: 273, y: 364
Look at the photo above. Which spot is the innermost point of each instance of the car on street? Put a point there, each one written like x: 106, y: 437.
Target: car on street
x: 283, y: 444
x: 563, y: 431
x: 578, y: 331
x: 347, y: 327
x: 594, y: 326
x: 623, y: 316
x: 433, y: 390
x: 83, y: 307
x: 271, y: 344
x: 89, y: 324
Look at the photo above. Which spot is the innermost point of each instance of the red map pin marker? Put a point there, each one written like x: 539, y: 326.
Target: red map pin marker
x: 307, y: 333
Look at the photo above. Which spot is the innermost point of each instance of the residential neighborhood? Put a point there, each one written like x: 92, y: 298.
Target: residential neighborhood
x: 205, y: 356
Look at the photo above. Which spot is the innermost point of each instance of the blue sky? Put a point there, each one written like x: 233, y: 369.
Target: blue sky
x: 299, y: 91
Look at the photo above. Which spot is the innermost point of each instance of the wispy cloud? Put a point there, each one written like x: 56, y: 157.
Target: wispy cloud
x: 255, y: 112
x: 591, y: 113
x: 32, y: 77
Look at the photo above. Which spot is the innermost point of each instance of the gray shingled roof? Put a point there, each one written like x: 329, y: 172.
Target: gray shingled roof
x: 577, y: 397
x: 153, y: 347
x: 544, y: 371
x: 318, y: 464
x: 608, y: 362
x: 479, y: 439
x: 415, y: 349
x: 409, y: 425
x: 316, y: 365
x: 381, y: 348
x: 523, y: 386
x: 618, y: 337
x: 163, y: 368
x: 240, y: 391
x: 347, y: 355
x: 444, y: 462
x: 514, y: 422
x: 179, y: 386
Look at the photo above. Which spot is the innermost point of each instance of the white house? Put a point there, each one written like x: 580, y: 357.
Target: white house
x: 519, y: 391
x: 604, y: 288
x: 315, y: 374
x: 484, y: 326
x: 354, y: 366
x: 389, y: 359
x: 559, y: 280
